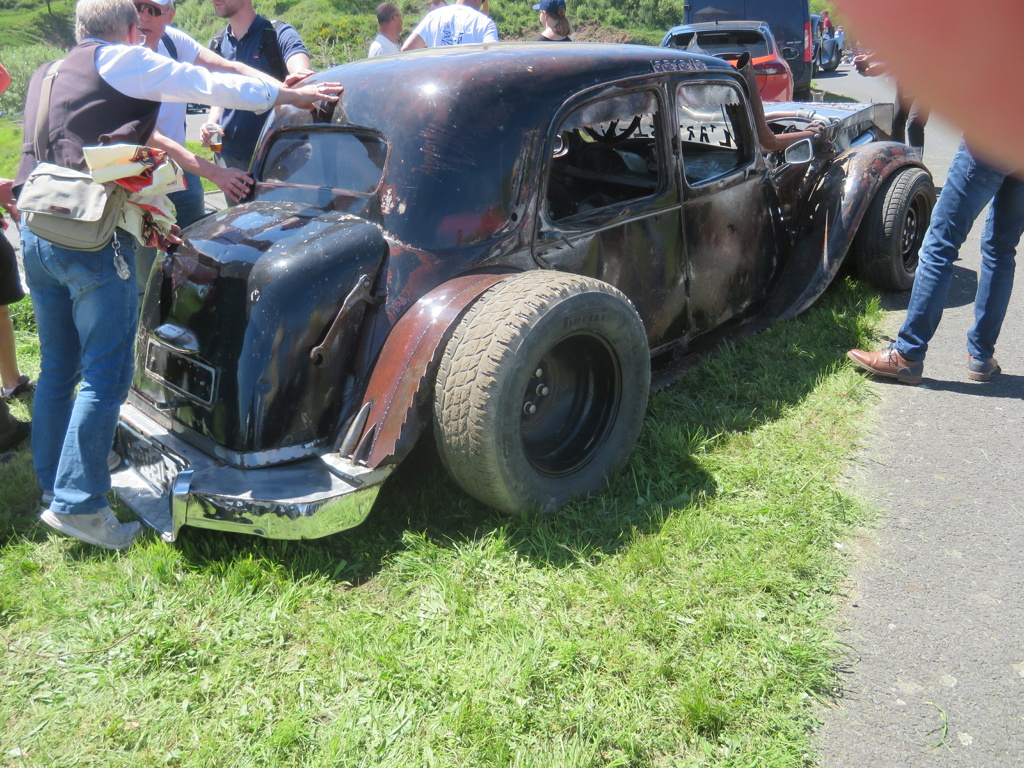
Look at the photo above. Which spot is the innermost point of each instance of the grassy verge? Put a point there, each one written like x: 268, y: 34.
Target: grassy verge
x: 682, y: 618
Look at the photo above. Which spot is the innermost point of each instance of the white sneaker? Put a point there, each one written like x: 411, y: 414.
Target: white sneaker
x: 100, y: 528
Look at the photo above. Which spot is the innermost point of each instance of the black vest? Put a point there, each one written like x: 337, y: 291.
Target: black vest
x: 84, y: 111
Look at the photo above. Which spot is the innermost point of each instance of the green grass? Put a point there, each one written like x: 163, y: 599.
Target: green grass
x: 10, y: 149
x: 207, y: 154
x: 682, y: 618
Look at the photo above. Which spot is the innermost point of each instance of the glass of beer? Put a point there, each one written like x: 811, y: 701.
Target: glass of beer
x: 215, y: 140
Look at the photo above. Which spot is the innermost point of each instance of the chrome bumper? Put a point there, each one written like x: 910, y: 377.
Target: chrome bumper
x: 169, y: 483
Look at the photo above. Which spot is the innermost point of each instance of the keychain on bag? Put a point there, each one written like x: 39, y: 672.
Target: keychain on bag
x: 119, y: 263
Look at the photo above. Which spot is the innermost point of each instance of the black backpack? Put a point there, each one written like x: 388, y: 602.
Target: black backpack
x: 268, y: 44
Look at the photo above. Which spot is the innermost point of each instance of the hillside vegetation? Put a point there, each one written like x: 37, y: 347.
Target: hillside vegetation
x: 335, y: 31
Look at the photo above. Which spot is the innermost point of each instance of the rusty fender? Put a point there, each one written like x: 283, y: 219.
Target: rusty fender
x: 401, y: 387
x: 833, y: 214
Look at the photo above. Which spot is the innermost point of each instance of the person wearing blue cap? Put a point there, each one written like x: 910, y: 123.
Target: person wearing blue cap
x: 556, y: 27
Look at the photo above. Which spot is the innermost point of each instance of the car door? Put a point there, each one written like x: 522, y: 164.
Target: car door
x: 728, y: 230
x: 608, y: 203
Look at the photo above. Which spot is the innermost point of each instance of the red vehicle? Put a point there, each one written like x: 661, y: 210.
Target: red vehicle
x: 729, y: 40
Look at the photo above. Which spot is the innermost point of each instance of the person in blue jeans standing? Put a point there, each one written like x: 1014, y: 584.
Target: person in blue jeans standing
x: 85, y: 302
x: 970, y: 185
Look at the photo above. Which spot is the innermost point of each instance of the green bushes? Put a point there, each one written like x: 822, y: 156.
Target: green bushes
x: 21, y: 61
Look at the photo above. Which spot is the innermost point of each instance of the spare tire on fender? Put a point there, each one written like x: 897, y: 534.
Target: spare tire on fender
x: 541, y: 391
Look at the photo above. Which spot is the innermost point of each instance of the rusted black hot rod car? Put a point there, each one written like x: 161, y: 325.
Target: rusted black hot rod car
x: 504, y: 241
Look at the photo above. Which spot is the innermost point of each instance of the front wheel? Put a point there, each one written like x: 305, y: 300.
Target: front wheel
x: 541, y: 391
x: 891, y: 234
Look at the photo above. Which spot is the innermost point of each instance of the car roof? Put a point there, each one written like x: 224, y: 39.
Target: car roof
x: 540, y: 66
x: 463, y: 123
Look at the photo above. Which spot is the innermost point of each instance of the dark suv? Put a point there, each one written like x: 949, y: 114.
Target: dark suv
x: 502, y: 242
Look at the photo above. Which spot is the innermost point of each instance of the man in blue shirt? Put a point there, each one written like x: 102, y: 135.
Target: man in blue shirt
x: 274, y: 48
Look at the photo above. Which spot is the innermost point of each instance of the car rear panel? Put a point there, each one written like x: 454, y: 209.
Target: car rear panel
x: 224, y: 348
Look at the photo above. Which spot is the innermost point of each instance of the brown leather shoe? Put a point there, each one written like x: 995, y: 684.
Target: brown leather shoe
x: 890, y: 363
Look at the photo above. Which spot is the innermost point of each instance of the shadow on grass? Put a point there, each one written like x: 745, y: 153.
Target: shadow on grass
x: 737, y: 390
x: 19, y: 499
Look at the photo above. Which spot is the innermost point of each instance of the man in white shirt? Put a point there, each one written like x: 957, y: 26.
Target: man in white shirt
x: 460, y: 23
x: 155, y: 19
x: 389, y: 19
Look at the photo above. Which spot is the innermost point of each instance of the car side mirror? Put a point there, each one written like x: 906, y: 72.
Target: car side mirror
x: 799, y: 153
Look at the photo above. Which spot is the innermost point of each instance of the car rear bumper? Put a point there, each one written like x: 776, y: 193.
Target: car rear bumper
x: 169, y: 483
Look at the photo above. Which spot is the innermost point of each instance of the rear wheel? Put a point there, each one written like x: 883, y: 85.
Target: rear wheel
x: 891, y: 234
x: 541, y: 391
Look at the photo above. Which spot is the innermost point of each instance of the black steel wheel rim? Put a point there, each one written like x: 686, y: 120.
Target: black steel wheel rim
x: 570, y: 404
x: 914, y: 225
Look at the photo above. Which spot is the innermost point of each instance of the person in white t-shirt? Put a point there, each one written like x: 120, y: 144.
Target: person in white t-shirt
x: 460, y: 23
x: 155, y: 17
x: 389, y: 19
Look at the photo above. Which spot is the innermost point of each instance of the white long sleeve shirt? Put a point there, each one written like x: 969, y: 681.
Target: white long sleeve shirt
x: 138, y: 72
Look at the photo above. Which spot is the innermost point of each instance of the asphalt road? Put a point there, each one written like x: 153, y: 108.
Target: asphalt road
x: 932, y: 616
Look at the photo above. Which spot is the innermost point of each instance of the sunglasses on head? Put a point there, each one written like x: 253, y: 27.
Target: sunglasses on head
x: 152, y: 10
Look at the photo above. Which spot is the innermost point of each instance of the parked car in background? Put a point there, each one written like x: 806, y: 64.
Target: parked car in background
x: 789, y: 20
x: 828, y: 50
x: 728, y: 40
x: 196, y: 108
x: 506, y: 274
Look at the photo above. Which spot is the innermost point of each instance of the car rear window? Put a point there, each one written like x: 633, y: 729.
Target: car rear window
x: 785, y: 17
x: 328, y: 158
x: 730, y: 43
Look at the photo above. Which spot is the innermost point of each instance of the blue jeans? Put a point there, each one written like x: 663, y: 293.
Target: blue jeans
x: 969, y: 187
x: 86, y: 315
x: 189, y: 204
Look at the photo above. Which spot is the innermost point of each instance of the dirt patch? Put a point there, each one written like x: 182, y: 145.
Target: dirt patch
x: 591, y: 32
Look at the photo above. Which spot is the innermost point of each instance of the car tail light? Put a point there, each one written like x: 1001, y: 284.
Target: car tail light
x: 770, y: 68
x: 808, y: 45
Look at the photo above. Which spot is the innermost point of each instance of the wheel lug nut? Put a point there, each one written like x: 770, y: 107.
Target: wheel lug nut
x: 529, y: 408
x: 538, y: 373
x: 542, y: 390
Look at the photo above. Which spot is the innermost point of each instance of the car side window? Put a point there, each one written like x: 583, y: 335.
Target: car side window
x: 605, y: 152
x: 711, y: 119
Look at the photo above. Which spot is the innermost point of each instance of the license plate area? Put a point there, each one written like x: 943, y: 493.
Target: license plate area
x: 156, y: 467
x: 181, y: 373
